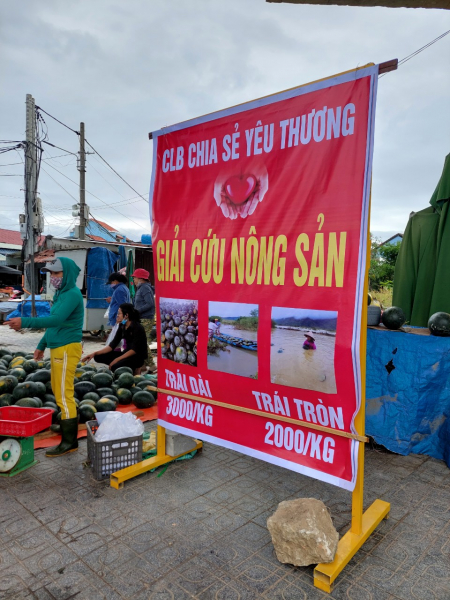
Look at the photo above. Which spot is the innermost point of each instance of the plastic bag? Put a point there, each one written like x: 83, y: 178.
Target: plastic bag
x: 112, y: 335
x: 106, y: 315
x: 116, y: 426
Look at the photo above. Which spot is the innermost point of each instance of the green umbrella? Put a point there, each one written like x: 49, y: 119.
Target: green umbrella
x: 421, y: 278
x: 130, y: 271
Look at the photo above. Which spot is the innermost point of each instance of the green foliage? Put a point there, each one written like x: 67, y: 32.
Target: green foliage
x: 216, y: 346
x: 382, y: 264
x: 212, y: 318
x: 248, y: 323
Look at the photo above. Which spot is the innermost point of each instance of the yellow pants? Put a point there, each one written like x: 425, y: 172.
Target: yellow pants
x: 64, y: 363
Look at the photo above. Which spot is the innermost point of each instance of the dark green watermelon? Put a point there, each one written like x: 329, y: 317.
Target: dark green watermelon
x: 86, y: 413
x: 91, y: 396
x: 41, y: 390
x: 393, y: 317
x: 86, y: 376
x: 125, y: 380
x: 49, y: 397
x: 124, y: 395
x: 102, y: 380
x: 104, y: 391
x: 121, y: 370
x: 84, y: 387
x: 30, y: 366
x: 7, y: 384
x: 6, y: 400
x: 439, y: 324
x: 50, y: 405
x: 110, y: 397
x: 105, y: 404
x: 19, y: 373
x: 91, y: 402
x: 24, y: 390
x: 43, y: 375
x: 28, y: 403
x: 143, y: 400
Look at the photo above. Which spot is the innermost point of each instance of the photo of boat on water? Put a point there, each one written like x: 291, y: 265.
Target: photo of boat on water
x: 233, y: 338
x: 302, y: 348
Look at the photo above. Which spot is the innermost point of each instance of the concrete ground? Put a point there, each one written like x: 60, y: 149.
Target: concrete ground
x: 27, y: 340
x: 198, y: 530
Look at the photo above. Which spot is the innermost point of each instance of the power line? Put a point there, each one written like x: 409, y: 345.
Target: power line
x: 57, y: 183
x: 104, y: 178
x: 416, y: 52
x: 423, y: 48
x: 114, y: 171
x: 38, y: 108
x: 57, y: 120
x: 102, y: 201
x: 63, y: 149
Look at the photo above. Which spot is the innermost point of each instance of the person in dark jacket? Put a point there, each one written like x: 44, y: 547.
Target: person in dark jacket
x: 136, y: 349
x: 144, y: 302
x: 121, y: 295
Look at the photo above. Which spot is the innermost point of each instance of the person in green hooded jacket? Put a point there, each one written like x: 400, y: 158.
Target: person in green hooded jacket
x: 64, y: 330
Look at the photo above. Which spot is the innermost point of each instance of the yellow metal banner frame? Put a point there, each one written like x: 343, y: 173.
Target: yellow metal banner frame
x: 118, y: 478
x: 363, y: 523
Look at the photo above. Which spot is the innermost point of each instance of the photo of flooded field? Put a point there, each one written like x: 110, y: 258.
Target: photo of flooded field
x: 233, y: 338
x: 179, y: 330
x: 302, y: 349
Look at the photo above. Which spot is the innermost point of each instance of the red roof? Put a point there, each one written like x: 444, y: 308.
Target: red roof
x: 10, y: 237
x: 106, y: 226
x: 97, y: 238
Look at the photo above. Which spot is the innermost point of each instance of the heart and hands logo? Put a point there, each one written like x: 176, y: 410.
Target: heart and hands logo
x: 239, y: 195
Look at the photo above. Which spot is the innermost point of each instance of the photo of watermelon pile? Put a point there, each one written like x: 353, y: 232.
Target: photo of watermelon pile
x: 27, y: 382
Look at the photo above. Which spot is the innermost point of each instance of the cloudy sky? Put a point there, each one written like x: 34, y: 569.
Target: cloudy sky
x: 127, y: 68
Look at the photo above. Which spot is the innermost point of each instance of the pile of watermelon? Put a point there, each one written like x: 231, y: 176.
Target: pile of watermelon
x: 26, y: 382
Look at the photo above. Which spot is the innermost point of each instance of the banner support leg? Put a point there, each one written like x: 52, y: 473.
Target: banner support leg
x: 363, y: 523
x: 118, y: 478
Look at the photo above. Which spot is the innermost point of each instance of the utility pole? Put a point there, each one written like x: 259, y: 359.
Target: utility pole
x: 30, y: 197
x: 82, y: 169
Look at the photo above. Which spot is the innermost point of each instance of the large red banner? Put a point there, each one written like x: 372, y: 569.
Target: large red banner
x: 259, y: 232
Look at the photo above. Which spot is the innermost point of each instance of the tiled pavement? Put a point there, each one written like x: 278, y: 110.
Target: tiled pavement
x: 199, y: 531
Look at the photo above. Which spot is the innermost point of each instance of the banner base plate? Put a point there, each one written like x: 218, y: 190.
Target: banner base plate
x: 348, y: 546
x: 118, y: 478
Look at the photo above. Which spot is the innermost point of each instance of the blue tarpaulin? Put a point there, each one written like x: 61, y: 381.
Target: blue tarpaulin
x: 100, y: 265
x: 122, y: 257
x: 408, y: 392
x: 24, y: 310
